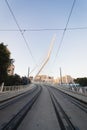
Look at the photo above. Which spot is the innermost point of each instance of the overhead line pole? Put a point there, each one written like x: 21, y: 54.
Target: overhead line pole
x: 60, y: 76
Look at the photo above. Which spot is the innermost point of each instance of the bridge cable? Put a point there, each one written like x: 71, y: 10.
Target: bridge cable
x: 21, y: 31
x: 65, y: 28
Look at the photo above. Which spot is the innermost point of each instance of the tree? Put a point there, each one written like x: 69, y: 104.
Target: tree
x: 81, y: 81
x: 25, y: 80
x: 4, y: 62
x: 16, y: 80
x: 13, y: 80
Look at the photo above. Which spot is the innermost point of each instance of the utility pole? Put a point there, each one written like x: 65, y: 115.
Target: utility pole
x: 60, y: 76
x: 28, y: 71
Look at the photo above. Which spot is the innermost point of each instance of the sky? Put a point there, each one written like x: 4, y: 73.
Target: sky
x: 33, y: 15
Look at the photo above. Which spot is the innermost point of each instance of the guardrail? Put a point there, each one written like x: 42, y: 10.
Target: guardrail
x: 75, y: 89
x: 12, y: 91
x: 12, y: 88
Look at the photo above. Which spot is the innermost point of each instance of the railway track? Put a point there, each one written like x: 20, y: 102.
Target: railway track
x: 15, y: 121
x: 14, y: 99
x: 80, y: 104
x: 63, y: 119
x: 67, y: 117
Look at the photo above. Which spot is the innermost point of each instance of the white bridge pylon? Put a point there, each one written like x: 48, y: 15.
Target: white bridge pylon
x: 48, y: 55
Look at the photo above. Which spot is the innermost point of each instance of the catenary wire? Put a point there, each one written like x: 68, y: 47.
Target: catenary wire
x: 21, y: 31
x: 46, y: 29
x: 60, y: 44
x: 64, y: 30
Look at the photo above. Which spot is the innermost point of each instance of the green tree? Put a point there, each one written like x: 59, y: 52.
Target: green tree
x: 13, y: 80
x: 4, y: 62
x: 81, y: 81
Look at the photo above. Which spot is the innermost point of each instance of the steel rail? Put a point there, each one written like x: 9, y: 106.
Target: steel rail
x: 17, y: 119
x: 63, y: 119
x: 79, y: 103
x: 16, y: 98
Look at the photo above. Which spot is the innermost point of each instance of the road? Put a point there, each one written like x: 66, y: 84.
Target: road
x: 45, y: 108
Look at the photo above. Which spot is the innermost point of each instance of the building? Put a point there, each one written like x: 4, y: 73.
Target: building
x: 10, y: 69
x: 67, y: 79
x: 44, y: 78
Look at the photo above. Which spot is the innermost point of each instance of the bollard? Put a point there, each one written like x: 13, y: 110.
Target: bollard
x: 2, y: 86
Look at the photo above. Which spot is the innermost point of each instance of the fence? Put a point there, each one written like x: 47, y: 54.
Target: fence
x: 12, y: 88
x: 75, y: 89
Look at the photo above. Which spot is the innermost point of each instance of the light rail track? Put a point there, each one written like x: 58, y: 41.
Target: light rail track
x: 17, y: 119
x: 16, y: 98
x: 63, y: 119
x: 80, y: 104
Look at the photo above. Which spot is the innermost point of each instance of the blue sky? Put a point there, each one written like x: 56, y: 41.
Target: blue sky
x: 46, y: 14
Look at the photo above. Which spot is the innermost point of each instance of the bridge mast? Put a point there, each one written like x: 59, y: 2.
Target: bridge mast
x: 48, y: 55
